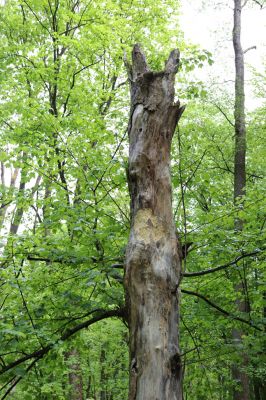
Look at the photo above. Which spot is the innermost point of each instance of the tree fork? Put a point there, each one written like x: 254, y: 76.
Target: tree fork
x: 152, y: 266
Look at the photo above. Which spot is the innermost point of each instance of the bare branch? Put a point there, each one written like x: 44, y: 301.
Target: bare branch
x: 192, y: 337
x: 224, y: 160
x: 73, y: 83
x: 37, y: 18
x: 16, y: 381
x: 260, y: 3
x: 250, y: 48
x: 196, y: 168
x: 110, y: 161
x: 118, y: 266
x: 224, y: 114
x: 244, y: 4
x: 38, y: 354
x: 8, y: 124
x: 211, y: 270
x: 3, y: 303
x: 221, y: 310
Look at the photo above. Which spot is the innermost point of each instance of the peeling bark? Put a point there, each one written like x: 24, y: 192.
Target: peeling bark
x: 152, y: 267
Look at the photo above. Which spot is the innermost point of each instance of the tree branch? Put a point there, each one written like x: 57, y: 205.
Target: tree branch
x: 259, y: 3
x: 227, y: 119
x: 220, y: 267
x: 250, y: 48
x: 73, y: 82
x: 244, y: 4
x: 221, y: 310
x: 38, y: 354
x: 16, y: 381
x: 37, y: 18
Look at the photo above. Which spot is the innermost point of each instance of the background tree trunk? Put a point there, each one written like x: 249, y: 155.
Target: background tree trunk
x: 239, y: 375
x: 75, y: 376
x: 152, y: 268
x: 103, y: 377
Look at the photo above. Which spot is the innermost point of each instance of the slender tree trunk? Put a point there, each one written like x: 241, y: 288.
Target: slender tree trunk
x: 19, y: 210
x: 241, y: 378
x: 103, y: 377
x: 259, y: 383
x: 240, y: 126
x: 6, y: 202
x: 259, y: 389
x: 152, y: 268
x: 75, y: 377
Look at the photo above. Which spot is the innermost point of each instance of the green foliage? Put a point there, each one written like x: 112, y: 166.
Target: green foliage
x: 202, y: 166
x: 64, y: 209
x: 98, y: 357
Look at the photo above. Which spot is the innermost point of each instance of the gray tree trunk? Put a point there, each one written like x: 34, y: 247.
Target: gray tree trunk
x: 75, y: 376
x: 240, y: 126
x: 239, y: 375
x: 19, y: 210
x: 152, y: 268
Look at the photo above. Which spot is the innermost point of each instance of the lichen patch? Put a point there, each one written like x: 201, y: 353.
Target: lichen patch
x: 148, y: 227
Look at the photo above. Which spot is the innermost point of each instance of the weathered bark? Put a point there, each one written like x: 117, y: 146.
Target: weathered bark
x: 152, y: 267
x: 240, y: 377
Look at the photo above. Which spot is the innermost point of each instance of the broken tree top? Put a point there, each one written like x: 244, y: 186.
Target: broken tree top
x: 140, y: 65
x: 153, y: 89
x: 153, y: 118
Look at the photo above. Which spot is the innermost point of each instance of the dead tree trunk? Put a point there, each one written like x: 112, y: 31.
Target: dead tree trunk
x: 152, y: 268
x: 239, y: 375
